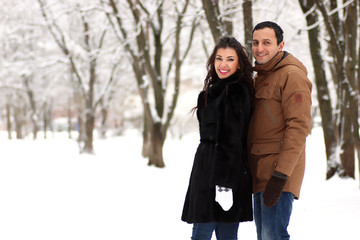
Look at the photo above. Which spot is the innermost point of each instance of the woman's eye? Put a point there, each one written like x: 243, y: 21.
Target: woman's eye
x: 219, y: 59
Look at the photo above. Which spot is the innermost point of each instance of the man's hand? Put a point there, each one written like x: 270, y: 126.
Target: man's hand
x: 274, y: 188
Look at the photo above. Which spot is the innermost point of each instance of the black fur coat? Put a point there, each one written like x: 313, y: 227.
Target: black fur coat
x: 221, y: 158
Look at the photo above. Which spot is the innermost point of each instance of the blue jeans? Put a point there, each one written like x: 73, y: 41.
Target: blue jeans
x: 271, y: 223
x: 223, y: 231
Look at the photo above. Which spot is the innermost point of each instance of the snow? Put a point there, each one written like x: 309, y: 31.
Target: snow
x: 50, y: 191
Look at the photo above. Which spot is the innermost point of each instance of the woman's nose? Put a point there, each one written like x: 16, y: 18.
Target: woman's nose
x: 222, y: 63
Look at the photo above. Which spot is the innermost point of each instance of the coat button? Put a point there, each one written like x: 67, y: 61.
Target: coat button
x: 258, y: 150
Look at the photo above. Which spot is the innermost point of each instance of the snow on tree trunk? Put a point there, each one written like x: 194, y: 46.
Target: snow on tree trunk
x: 341, y: 26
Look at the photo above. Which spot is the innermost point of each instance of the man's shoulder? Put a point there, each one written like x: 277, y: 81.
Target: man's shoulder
x: 292, y: 68
x: 291, y: 63
x: 292, y: 74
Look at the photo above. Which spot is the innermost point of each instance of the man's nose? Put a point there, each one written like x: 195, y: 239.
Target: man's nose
x: 260, y: 47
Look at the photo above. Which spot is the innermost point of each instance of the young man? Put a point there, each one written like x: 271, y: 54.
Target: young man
x: 278, y: 131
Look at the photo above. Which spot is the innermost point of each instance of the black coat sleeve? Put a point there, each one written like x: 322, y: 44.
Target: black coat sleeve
x: 230, y: 161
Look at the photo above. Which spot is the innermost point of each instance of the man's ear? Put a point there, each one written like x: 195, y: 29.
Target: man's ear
x: 281, y: 46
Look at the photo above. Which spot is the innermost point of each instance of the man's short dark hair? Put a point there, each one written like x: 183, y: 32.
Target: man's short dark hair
x: 268, y: 24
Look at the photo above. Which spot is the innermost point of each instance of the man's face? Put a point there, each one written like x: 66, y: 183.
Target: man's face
x: 264, y: 45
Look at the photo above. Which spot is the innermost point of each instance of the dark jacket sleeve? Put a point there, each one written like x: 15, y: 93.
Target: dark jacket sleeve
x: 200, y: 104
x: 230, y: 160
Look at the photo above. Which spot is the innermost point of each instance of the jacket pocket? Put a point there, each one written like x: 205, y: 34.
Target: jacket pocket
x: 263, y: 96
x: 269, y: 111
x: 266, y: 158
x: 265, y: 91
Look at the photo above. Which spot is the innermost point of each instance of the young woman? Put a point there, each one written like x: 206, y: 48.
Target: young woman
x: 219, y: 192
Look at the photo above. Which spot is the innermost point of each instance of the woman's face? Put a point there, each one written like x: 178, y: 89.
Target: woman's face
x: 226, y: 62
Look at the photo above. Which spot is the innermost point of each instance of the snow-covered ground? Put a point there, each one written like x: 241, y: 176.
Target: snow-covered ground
x: 49, y: 191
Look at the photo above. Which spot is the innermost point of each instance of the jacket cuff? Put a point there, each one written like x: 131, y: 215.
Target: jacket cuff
x: 280, y: 175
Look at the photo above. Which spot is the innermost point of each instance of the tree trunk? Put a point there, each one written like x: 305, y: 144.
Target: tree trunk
x: 156, y: 150
x: 323, y: 94
x: 89, y: 127
x: 146, y: 141
x: 89, y: 98
x: 69, y: 117
x: 227, y: 16
x: 342, y: 46
x: 80, y: 127
x: 212, y: 13
x: 357, y: 142
x: 8, y: 120
x: 350, y: 36
x: 103, y: 128
x: 18, y: 116
x: 248, y: 26
x: 30, y: 94
x: 218, y: 26
x: 45, y: 120
x: 347, y: 156
x: 50, y: 118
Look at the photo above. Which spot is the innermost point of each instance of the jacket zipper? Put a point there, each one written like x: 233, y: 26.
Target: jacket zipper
x: 268, y: 110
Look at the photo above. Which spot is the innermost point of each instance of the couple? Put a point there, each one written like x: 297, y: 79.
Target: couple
x: 252, y: 139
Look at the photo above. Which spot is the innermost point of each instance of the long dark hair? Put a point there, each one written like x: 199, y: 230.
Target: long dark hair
x: 245, y: 71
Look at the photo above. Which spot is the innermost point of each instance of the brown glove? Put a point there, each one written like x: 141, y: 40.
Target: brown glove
x: 274, y: 188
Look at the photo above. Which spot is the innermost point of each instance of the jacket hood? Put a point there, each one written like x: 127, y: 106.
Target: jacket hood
x: 280, y: 60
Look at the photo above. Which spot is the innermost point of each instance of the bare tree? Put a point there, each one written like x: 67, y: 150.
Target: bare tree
x: 20, y: 49
x: 145, y: 48
x: 83, y: 57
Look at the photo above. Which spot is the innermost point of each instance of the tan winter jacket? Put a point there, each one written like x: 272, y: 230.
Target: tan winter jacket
x: 281, y: 122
